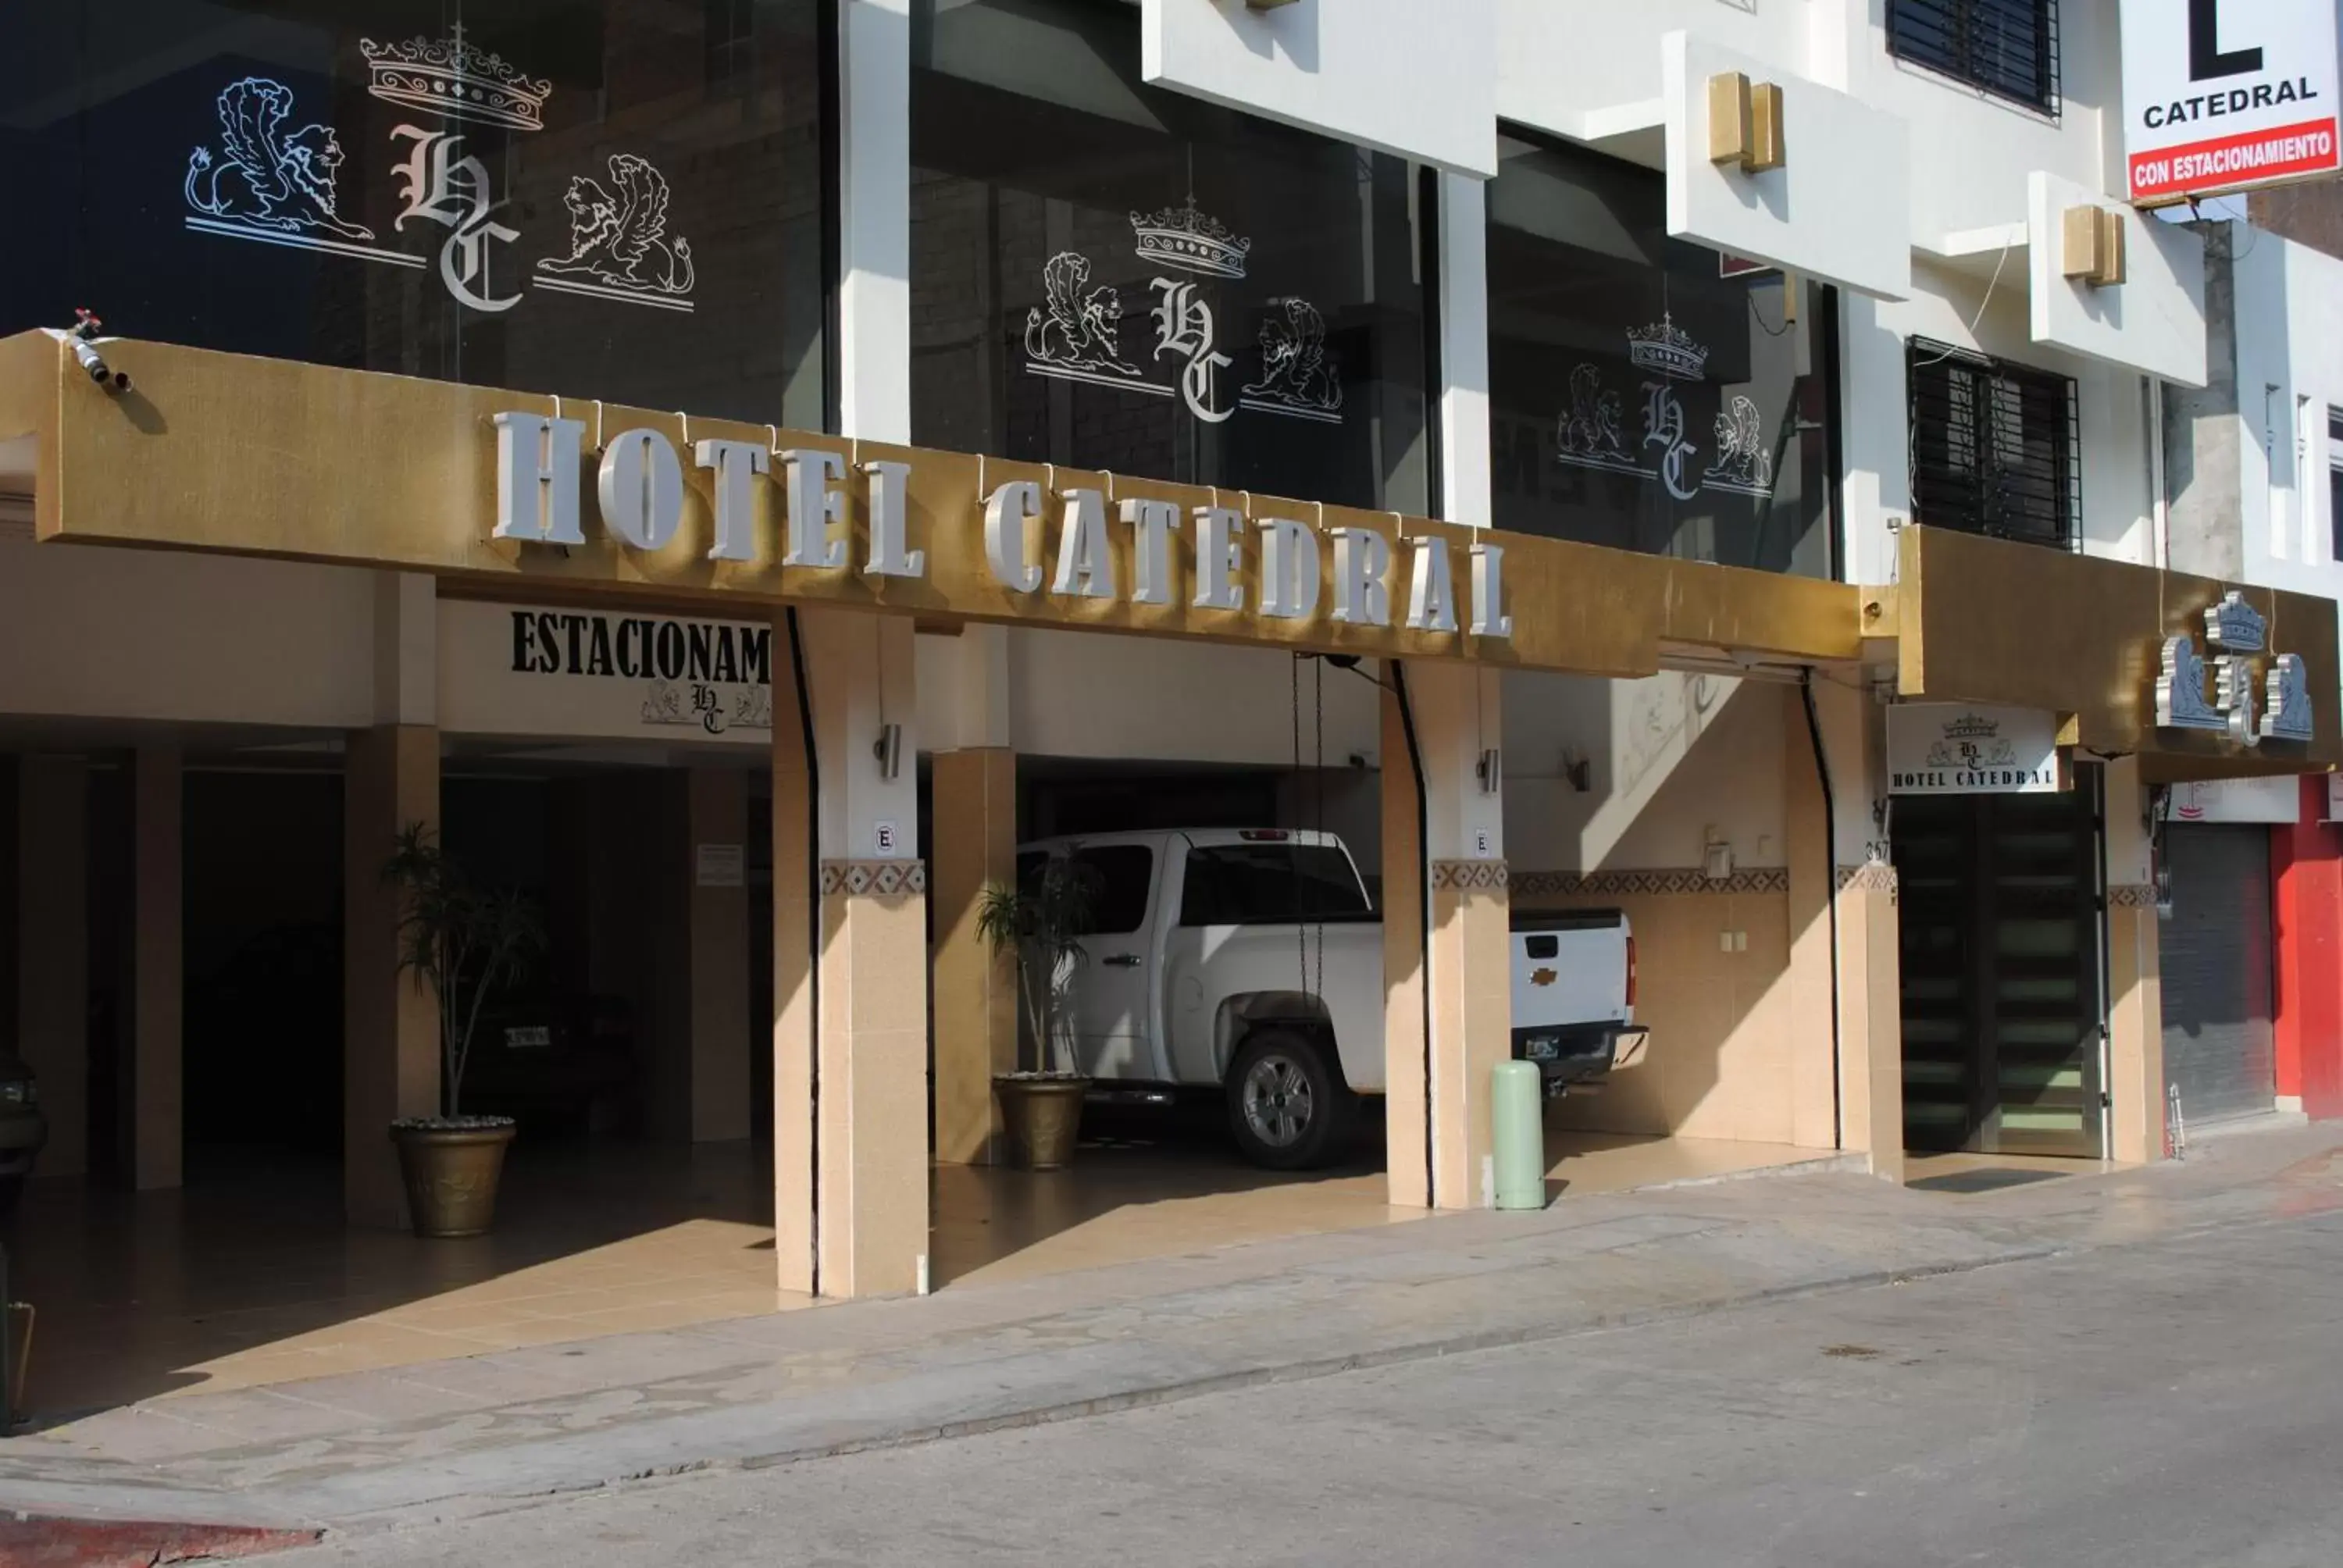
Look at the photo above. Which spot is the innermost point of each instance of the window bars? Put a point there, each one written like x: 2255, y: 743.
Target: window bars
x: 1993, y: 446
x: 2006, y: 47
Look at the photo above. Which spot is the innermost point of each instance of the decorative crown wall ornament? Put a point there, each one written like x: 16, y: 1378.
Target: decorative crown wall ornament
x: 457, y: 78
x: 1188, y: 239
x: 1669, y: 350
x: 2235, y: 625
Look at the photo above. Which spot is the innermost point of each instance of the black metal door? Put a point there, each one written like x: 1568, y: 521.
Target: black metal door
x: 2001, y: 905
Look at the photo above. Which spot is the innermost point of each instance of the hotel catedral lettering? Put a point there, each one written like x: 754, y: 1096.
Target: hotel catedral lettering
x: 639, y: 493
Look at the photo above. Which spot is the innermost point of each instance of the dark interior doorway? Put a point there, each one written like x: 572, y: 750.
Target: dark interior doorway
x: 262, y: 934
x: 2004, y: 1018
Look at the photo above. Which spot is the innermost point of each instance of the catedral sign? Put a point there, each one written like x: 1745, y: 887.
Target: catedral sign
x: 2227, y: 94
x: 1037, y: 539
x: 1944, y: 748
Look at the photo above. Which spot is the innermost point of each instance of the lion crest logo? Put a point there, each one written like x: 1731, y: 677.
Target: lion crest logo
x: 1742, y: 463
x: 618, y: 236
x: 1296, y: 376
x: 1589, y: 433
x: 1076, y: 328
x: 266, y: 176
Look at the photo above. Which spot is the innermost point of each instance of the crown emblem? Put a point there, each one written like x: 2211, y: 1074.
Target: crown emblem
x: 1970, y: 727
x: 2235, y: 625
x: 1667, y: 349
x: 1190, y: 240
x: 457, y: 78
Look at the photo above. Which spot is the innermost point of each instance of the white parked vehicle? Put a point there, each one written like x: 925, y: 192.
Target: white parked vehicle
x: 1250, y: 961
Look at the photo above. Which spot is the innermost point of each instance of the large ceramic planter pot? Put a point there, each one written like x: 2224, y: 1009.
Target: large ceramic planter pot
x: 452, y: 1165
x: 1043, y: 1112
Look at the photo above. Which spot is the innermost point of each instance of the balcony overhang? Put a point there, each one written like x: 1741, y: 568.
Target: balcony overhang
x: 1992, y: 621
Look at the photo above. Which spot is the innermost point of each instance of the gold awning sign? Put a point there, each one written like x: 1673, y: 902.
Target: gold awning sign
x: 481, y: 487
x: 1995, y: 621
x: 277, y: 458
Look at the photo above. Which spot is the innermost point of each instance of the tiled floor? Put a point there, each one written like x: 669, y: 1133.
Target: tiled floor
x: 248, y: 1276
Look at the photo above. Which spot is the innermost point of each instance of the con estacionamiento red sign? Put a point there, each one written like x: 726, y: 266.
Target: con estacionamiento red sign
x: 2256, y: 157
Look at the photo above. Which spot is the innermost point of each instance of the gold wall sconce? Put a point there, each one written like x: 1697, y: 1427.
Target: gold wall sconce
x: 2093, y: 251
x: 1745, y: 123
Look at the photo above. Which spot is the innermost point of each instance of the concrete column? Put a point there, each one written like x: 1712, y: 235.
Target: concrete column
x: 391, y: 1025
x: 52, y: 949
x: 975, y: 827
x: 1847, y: 1072
x: 158, y: 788
x: 1448, y: 878
x: 717, y: 815
x: 874, y: 289
x: 850, y: 1083
x: 2134, y: 1061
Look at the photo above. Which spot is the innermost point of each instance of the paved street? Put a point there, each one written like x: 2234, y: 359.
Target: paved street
x: 2175, y: 1401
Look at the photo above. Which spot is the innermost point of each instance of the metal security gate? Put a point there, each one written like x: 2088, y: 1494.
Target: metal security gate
x: 2216, y: 959
x: 2000, y: 909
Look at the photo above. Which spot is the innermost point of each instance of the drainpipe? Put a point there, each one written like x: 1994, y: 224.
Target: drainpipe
x: 1830, y: 898
x: 813, y: 938
x: 1424, y: 889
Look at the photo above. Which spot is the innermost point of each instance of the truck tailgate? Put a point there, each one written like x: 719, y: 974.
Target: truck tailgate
x: 1571, y: 968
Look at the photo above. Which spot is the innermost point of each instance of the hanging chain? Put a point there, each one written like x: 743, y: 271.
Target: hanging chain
x: 1318, y: 809
x: 1301, y: 928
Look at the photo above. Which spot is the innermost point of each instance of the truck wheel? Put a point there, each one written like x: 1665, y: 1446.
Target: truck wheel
x: 1288, y: 1109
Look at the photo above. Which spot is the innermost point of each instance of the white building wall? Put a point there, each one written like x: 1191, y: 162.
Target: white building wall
x: 2289, y: 323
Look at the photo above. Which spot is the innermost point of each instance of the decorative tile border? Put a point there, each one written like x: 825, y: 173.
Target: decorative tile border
x: 1676, y: 880
x: 1462, y: 876
x: 1872, y: 877
x: 884, y: 878
x: 2133, y: 896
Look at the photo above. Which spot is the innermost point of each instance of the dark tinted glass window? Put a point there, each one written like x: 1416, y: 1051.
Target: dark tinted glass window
x: 1993, y: 447
x: 2335, y: 484
x: 1117, y: 877
x: 2009, y: 48
x: 1267, y: 884
x: 605, y: 198
x: 1647, y: 394
x: 1123, y: 277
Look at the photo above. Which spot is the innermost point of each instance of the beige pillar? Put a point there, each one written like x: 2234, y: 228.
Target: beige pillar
x: 1846, y: 1086
x: 717, y: 814
x: 157, y: 793
x: 52, y: 949
x: 851, y: 1081
x: 1407, y: 1129
x: 390, y: 1027
x: 975, y: 827
x: 1463, y: 966
x: 2134, y: 1059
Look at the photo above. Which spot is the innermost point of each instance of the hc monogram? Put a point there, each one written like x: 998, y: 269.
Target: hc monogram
x: 439, y: 186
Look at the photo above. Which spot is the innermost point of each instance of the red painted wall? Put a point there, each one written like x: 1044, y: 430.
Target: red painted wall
x: 2307, y: 886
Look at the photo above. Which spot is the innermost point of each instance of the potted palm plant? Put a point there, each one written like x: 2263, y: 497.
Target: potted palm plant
x: 461, y: 942
x: 1041, y: 921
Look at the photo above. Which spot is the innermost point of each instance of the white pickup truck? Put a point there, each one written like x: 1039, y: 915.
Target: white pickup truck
x: 1250, y: 961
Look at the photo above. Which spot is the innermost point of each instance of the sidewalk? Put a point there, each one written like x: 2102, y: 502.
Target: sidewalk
x: 456, y: 1438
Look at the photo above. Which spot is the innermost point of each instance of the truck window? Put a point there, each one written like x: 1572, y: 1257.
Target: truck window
x: 1119, y: 876
x: 1269, y: 884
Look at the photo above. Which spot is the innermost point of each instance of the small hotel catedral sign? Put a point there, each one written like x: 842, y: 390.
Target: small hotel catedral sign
x: 1955, y: 748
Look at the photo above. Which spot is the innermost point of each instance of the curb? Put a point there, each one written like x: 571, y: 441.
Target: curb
x: 1362, y: 1361
x: 1153, y: 1396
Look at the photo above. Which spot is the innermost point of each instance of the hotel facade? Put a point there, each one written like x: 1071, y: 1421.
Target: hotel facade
x: 735, y: 469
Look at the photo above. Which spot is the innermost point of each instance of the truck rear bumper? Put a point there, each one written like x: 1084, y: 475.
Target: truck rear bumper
x: 1575, y: 1055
